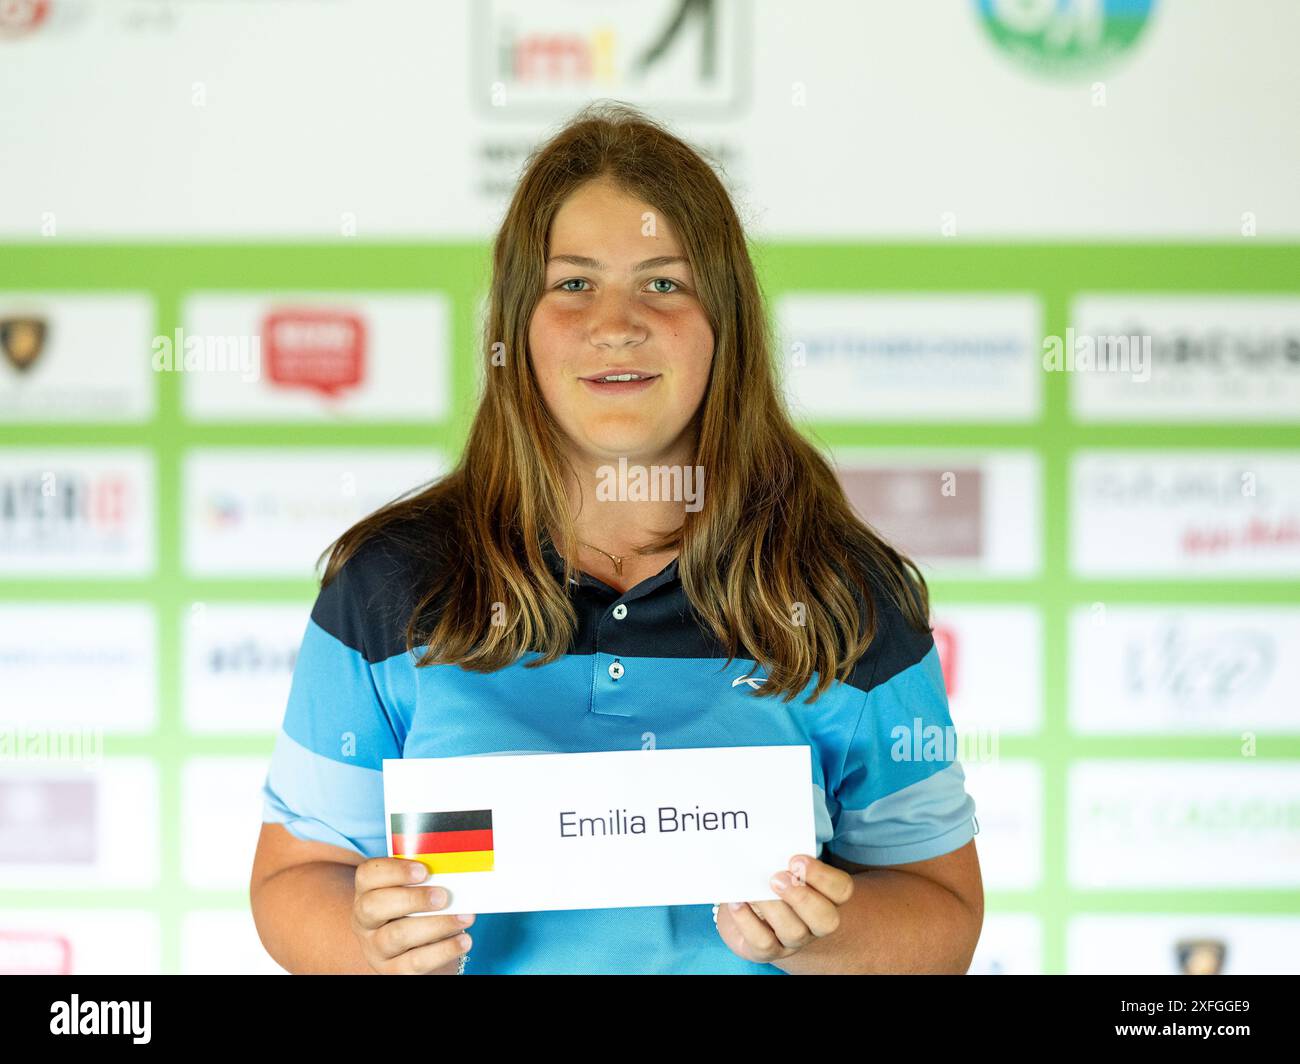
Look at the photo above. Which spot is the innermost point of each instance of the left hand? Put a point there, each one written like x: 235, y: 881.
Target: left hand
x: 810, y: 893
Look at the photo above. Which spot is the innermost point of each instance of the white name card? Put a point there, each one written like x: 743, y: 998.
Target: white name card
x: 528, y: 832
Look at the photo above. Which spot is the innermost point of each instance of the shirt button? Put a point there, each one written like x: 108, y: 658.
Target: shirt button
x: 620, y: 611
x: 615, y: 670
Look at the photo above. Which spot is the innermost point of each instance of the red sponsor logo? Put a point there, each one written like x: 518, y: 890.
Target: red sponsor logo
x: 315, y: 348
x: 945, y: 639
x: 110, y: 501
x: 18, y: 17
x: 35, y: 953
x: 1257, y: 532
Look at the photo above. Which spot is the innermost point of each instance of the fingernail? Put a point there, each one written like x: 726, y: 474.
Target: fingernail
x: 799, y: 869
x: 418, y: 871
x: 736, y: 906
x: 437, y: 897
x: 780, y: 882
x: 466, y: 918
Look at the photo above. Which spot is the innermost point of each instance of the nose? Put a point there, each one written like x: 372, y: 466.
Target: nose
x: 614, y: 321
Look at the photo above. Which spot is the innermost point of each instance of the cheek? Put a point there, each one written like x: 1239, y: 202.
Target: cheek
x: 538, y: 338
x: 695, y: 389
x: 553, y: 336
x: 544, y: 348
x: 695, y: 376
x: 687, y: 334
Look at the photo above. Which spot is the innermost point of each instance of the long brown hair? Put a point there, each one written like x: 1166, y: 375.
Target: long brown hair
x: 775, y: 562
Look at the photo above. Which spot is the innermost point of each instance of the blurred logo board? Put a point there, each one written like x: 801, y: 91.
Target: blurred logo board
x: 911, y: 356
x: 74, y: 941
x: 1214, y: 358
x: 1184, y: 670
x: 961, y: 514
x: 69, y: 512
x: 306, y: 356
x: 72, y: 826
x: 1206, y: 824
x: 79, y: 665
x: 1008, y: 796
x: 1177, y: 514
x: 251, y: 512
x: 992, y: 665
x: 1197, y: 943
x: 1065, y: 39
x: 76, y: 358
x: 239, y: 660
x: 690, y: 57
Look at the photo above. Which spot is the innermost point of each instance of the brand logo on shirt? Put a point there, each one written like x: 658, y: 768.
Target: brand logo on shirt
x: 751, y: 681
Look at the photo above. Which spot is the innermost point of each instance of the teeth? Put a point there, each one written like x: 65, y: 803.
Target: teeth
x: 623, y: 377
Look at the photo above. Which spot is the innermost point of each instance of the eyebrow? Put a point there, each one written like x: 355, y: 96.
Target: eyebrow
x: 596, y: 264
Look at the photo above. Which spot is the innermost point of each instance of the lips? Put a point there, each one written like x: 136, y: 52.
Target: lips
x: 619, y: 371
x: 633, y: 380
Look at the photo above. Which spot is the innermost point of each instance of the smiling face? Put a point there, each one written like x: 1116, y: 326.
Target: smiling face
x: 618, y: 302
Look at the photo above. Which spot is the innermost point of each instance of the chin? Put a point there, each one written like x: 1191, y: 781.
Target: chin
x: 612, y: 443
x: 612, y: 450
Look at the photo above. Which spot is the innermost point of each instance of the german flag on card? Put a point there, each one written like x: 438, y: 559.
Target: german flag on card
x: 459, y: 841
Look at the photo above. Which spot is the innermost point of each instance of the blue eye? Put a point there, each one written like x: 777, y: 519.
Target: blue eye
x: 561, y: 287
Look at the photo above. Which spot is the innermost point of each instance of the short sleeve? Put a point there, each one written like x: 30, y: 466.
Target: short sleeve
x: 902, y: 794
x: 325, y: 779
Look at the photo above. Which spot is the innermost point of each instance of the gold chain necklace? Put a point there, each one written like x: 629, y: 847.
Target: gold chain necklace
x: 616, y: 559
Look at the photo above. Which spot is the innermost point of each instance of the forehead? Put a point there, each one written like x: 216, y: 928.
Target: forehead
x: 600, y: 213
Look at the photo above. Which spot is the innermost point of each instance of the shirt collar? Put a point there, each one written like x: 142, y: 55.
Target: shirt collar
x: 553, y: 560
x: 556, y: 564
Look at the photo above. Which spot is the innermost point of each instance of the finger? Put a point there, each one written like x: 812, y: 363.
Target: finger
x: 376, y: 907
x: 409, y: 932
x: 729, y: 931
x: 814, y: 911
x: 389, y: 872
x: 762, y: 944
x: 829, y: 881
x: 785, y: 923
x: 430, y: 958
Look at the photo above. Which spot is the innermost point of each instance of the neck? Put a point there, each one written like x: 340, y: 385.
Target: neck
x: 618, y: 525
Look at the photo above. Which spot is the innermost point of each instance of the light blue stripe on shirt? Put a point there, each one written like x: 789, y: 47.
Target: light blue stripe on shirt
x: 897, y: 802
x: 346, y: 802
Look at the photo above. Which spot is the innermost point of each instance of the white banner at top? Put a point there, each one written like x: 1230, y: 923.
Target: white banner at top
x: 841, y: 119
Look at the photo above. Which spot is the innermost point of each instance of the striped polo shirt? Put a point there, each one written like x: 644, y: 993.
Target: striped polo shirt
x: 642, y: 670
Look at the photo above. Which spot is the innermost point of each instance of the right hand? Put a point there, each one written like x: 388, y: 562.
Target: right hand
x: 392, y: 942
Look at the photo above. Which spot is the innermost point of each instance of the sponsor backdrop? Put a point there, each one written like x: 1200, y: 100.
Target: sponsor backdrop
x: 1035, y: 268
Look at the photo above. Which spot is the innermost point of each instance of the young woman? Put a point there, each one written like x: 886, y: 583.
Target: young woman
x: 524, y: 604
